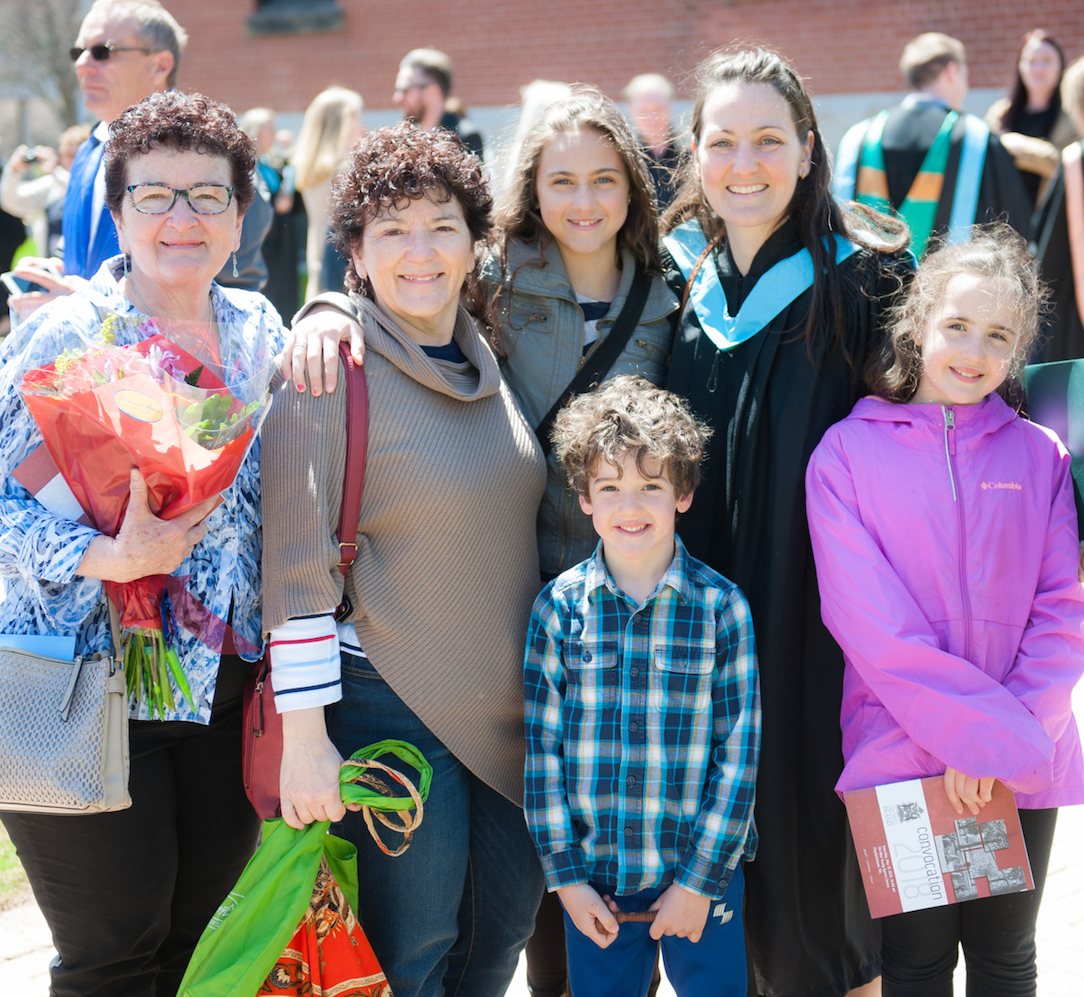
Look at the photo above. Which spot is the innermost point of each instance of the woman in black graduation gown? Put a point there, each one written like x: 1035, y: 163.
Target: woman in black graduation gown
x: 772, y: 358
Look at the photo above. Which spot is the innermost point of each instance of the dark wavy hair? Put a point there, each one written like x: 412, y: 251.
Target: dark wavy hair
x: 1018, y: 95
x: 815, y: 212
x: 519, y: 217
x: 996, y: 252
x: 588, y: 109
x: 393, y: 166
x: 191, y: 122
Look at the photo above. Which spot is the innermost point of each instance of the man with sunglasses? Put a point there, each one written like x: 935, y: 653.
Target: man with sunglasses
x: 422, y: 89
x: 126, y: 50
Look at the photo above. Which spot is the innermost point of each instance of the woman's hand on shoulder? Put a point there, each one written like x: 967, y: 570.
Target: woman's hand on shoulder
x: 144, y: 544
x: 310, y: 355
x: 309, y: 777
x: 964, y: 791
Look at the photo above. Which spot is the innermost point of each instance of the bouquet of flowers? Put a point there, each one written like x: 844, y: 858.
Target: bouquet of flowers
x: 105, y: 408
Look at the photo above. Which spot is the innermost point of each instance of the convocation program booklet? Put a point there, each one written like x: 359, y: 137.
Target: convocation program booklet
x: 915, y: 851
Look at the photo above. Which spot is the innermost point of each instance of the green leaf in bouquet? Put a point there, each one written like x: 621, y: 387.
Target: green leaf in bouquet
x: 211, y: 423
x: 174, y: 663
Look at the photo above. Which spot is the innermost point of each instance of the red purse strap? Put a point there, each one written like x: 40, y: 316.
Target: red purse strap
x: 357, y: 437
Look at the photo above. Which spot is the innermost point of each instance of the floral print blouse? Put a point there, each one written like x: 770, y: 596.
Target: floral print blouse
x: 40, y: 552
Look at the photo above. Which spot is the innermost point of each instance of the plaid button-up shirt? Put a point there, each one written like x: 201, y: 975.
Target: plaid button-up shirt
x: 643, y: 730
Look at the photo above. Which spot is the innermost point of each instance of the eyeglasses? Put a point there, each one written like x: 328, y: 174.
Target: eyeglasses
x: 157, y: 198
x: 416, y: 86
x: 101, y: 53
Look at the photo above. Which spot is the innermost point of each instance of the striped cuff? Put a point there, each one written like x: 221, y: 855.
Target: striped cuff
x: 305, y: 663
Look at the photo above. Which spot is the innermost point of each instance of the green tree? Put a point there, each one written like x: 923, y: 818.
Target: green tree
x: 34, y: 42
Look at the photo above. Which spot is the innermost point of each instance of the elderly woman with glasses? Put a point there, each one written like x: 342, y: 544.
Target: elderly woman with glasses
x: 127, y: 894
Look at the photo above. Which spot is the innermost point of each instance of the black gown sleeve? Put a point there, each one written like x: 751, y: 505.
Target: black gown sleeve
x: 1002, y: 194
x: 1063, y: 334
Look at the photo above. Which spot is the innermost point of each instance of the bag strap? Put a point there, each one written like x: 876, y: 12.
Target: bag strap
x: 114, y: 628
x: 598, y: 363
x: 689, y: 282
x: 357, y: 438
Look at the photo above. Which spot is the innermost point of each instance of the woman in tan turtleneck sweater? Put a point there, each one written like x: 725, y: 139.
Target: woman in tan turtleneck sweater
x: 442, y: 585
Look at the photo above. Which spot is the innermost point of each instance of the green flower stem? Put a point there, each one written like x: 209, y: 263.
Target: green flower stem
x: 149, y: 662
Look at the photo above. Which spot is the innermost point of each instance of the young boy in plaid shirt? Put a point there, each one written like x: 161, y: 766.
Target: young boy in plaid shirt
x: 642, y: 714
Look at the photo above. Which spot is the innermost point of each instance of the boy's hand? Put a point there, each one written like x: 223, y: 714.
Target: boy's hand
x: 680, y: 912
x: 963, y: 791
x: 589, y: 913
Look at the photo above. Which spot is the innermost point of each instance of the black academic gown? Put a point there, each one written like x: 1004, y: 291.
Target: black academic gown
x: 908, y: 134
x: 1063, y: 334
x: 770, y: 399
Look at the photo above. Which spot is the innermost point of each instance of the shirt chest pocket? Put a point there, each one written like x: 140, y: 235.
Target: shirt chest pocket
x: 591, y: 674
x: 520, y: 320
x: 682, y: 676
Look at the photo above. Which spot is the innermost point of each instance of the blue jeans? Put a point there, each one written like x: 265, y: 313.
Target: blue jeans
x: 714, y: 966
x: 451, y: 915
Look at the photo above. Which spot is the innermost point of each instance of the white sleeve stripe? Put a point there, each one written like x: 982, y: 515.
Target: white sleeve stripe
x: 305, y: 663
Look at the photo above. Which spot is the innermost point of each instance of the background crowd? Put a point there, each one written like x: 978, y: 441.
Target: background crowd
x: 1032, y: 125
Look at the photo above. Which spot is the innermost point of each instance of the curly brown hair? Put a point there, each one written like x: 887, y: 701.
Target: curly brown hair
x: 401, y: 163
x: 996, y: 252
x: 169, y: 119
x: 630, y: 415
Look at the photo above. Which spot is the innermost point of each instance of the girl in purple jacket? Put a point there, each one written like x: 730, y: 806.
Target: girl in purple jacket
x: 945, y: 538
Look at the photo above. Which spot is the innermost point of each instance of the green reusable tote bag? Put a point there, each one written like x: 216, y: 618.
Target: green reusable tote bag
x: 263, y: 910
x: 259, y: 917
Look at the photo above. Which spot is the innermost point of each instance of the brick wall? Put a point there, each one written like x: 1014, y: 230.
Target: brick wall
x: 841, y: 46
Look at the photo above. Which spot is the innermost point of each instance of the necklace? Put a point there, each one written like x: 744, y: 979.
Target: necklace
x: 209, y: 321
x: 146, y: 311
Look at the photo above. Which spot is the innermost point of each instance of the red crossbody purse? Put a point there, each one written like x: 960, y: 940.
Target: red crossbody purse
x: 261, y: 749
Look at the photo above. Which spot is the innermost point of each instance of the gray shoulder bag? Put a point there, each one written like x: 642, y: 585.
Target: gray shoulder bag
x: 63, y: 734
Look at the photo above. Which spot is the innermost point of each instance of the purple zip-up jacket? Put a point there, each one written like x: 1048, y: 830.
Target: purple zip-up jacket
x: 946, y: 547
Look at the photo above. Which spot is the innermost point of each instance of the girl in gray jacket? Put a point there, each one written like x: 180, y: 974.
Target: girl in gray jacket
x: 578, y: 223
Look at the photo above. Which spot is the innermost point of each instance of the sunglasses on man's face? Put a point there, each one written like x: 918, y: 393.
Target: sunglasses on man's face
x: 100, y: 53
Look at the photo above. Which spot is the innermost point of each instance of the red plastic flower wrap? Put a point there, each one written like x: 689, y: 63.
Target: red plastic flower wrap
x: 106, y: 408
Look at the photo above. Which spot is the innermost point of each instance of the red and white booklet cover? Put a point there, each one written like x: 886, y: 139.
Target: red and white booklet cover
x: 915, y: 851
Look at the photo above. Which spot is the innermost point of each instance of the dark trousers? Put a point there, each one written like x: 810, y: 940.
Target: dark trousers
x: 128, y: 894
x: 997, y: 935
